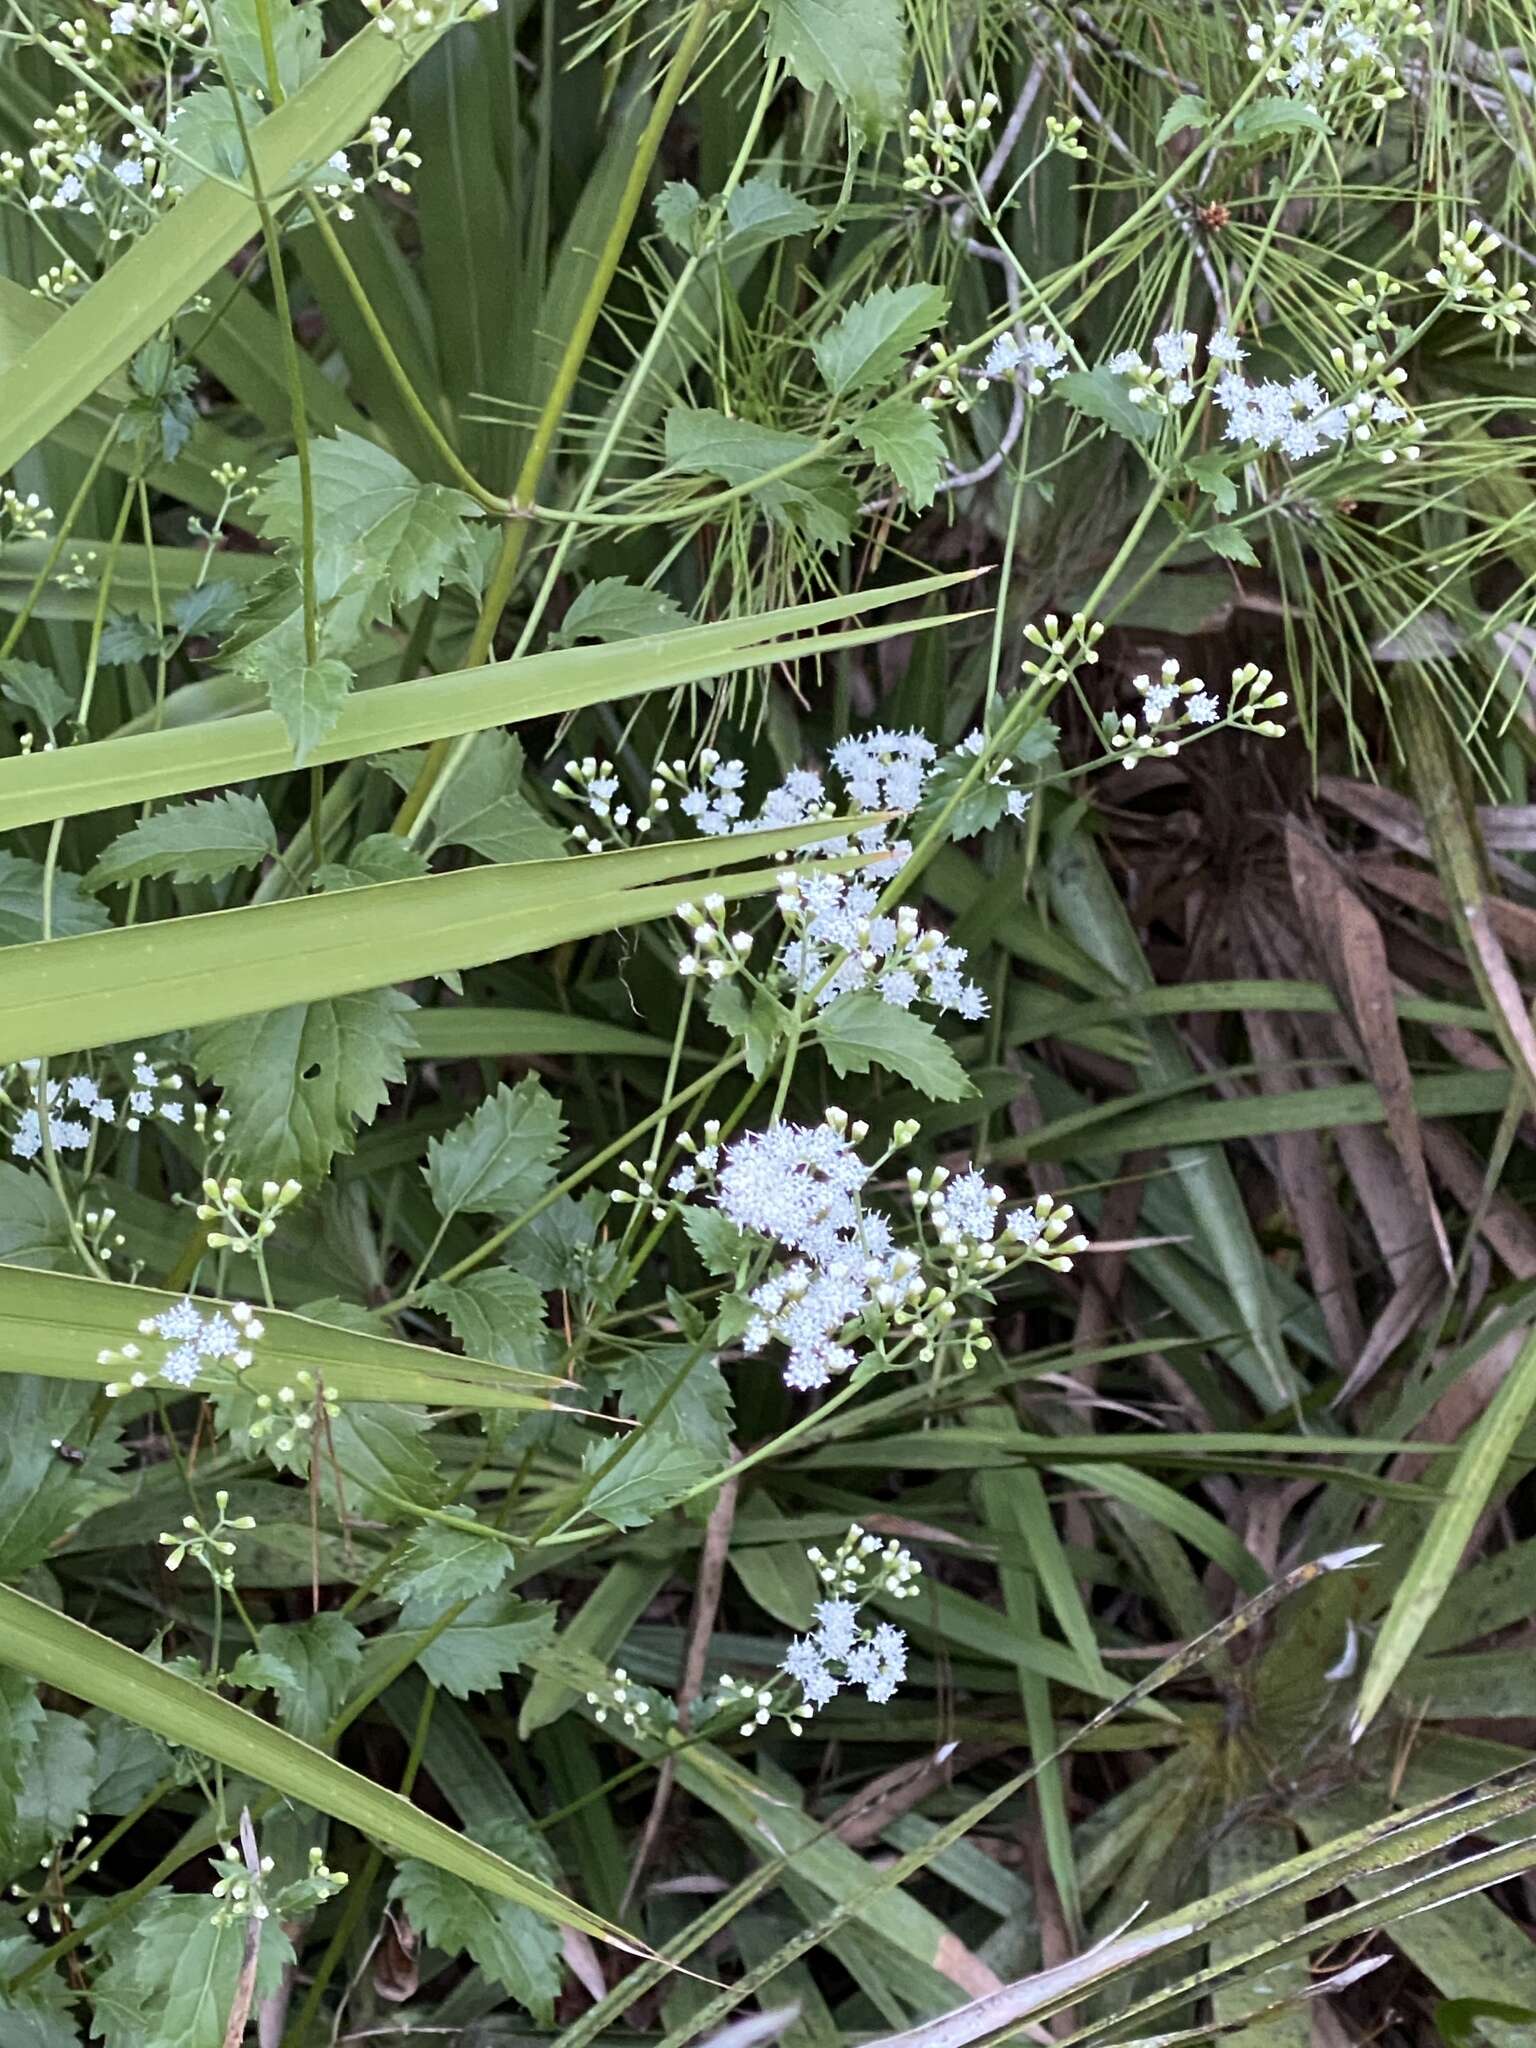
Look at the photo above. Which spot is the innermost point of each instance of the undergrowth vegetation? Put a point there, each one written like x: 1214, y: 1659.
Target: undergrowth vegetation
x: 765, y: 1091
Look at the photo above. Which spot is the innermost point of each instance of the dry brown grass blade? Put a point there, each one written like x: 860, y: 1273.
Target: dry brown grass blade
x: 1353, y: 951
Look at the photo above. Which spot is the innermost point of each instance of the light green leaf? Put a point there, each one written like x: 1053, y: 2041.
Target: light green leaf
x: 500, y: 1158
x: 382, y: 857
x: 309, y: 1665
x: 678, y: 206
x: 867, y: 343
x: 484, y: 807
x: 1208, y: 473
x: 760, y: 212
x: 1189, y: 110
x: 1474, y: 1481
x: 39, y: 2013
x: 190, y: 843
x: 295, y: 36
x: 307, y: 698
x: 21, y: 903
x: 860, y: 52
x: 204, y: 138
x: 384, y: 1460
x: 173, y: 1985
x: 715, y: 1238
x: 634, y: 1489
x: 814, y: 498
x: 494, y: 1636
x: 38, y: 690
x: 298, y: 1081
x: 21, y: 1722
x: 1232, y: 544
x: 910, y: 442
x: 43, y: 1496
x: 444, y: 1565
x: 1278, y: 116
x: 612, y: 609
x: 495, y: 1313
x: 698, y: 1413
x: 860, y: 1030
x: 514, y: 1947
x: 1103, y: 395
x: 32, y: 1228
x: 61, y: 1770
x: 372, y: 516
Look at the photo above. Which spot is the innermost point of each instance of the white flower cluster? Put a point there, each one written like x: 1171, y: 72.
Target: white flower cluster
x: 77, y: 1105
x: 799, y: 1190
x: 70, y: 170
x: 1463, y: 275
x: 1343, y: 50
x: 840, y: 939
x: 243, y: 1894
x: 1168, y: 381
x: 1035, y: 361
x: 390, y: 158
x: 166, y: 20
x: 189, y: 1340
x: 289, y: 1415
x: 408, y: 17
x: 939, y: 141
x: 1172, y: 703
x: 631, y: 1704
x: 209, y: 1547
x: 246, y: 1224
x: 843, y: 1648
x: 1300, y: 418
x: 23, y: 518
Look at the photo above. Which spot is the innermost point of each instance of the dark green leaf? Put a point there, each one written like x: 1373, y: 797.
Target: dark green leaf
x: 860, y: 1030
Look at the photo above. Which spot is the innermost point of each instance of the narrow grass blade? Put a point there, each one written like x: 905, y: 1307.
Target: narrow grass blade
x: 78, y: 1660
x: 1469, y: 1488
x: 56, y: 1323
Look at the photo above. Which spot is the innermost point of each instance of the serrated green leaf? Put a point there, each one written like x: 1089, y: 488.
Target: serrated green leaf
x: 1209, y: 473
x: 815, y: 499
x: 56, y: 1791
x: 371, y: 516
x: 514, y: 1947
x: 1231, y: 543
x: 43, y: 1496
x: 383, y: 1458
x: 444, y: 1565
x: 910, y: 442
x: 298, y: 1081
x: 173, y: 1987
x: 190, y: 843
x: 1189, y: 110
x: 382, y: 857
x: 860, y: 1030
x: 715, y: 1238
x: 698, y: 1411
x: 760, y: 212
x: 678, y: 206
x: 309, y: 1665
x: 295, y: 38
x: 494, y: 1637
x: 500, y: 1158
x: 21, y: 1722
x: 866, y: 344
x: 32, y: 1227
x: 859, y: 52
x: 21, y: 903
x: 307, y: 697
x: 613, y: 608
x: 495, y: 1313
x: 633, y: 1490
x: 38, y: 690
x: 1103, y: 395
x: 39, y: 2013
x: 207, y: 608
x: 484, y: 807
x: 1277, y: 116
